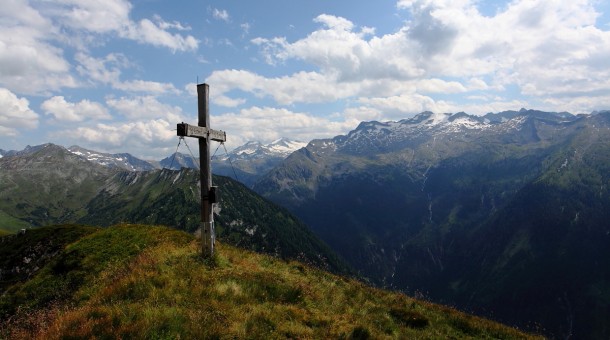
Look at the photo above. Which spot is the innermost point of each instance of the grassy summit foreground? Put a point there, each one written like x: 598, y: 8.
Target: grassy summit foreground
x: 143, y: 281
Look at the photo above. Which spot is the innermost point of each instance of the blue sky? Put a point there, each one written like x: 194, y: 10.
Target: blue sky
x: 117, y: 75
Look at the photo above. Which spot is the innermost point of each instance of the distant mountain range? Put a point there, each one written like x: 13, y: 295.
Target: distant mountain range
x: 123, y: 161
x: 504, y: 214
x: 49, y: 184
x: 254, y: 159
x: 245, y: 163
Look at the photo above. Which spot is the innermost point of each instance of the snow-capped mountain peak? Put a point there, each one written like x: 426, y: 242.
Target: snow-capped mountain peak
x: 121, y: 160
x: 284, y: 146
x: 279, y: 148
x: 253, y: 159
x: 247, y: 149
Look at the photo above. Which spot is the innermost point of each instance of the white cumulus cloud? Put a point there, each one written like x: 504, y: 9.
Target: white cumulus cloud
x: 29, y: 62
x: 145, y: 107
x: 63, y: 110
x: 113, y: 16
x: 552, y: 52
x: 15, y: 114
x: 107, y: 70
x: 220, y: 14
x: 34, y: 37
x: 94, y: 16
x: 148, y: 32
x: 150, y: 137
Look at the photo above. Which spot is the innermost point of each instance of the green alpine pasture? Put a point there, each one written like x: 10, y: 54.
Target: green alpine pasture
x: 139, y: 281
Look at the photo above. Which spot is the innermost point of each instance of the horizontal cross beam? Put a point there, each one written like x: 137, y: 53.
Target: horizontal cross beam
x: 186, y: 130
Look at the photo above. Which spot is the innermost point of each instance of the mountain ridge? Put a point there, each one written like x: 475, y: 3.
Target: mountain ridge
x: 123, y: 161
x: 245, y: 163
x: 252, y: 151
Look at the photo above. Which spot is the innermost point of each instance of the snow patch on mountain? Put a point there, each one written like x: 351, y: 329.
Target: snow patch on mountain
x: 249, y: 148
x: 380, y: 137
x: 279, y: 148
x: 284, y: 146
x: 123, y: 160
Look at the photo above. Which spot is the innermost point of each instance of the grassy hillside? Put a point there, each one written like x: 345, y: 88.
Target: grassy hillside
x: 22, y: 255
x: 10, y: 224
x: 243, y: 218
x: 143, y: 281
x: 46, y: 186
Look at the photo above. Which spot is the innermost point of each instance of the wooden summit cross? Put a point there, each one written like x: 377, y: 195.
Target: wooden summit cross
x: 208, y: 193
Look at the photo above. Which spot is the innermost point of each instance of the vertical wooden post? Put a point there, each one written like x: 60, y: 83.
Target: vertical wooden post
x: 208, y: 236
x: 205, y: 135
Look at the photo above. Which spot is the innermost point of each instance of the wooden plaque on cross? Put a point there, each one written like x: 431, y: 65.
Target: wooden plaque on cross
x: 208, y: 194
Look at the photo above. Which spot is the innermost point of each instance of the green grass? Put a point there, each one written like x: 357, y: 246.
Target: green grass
x: 150, y: 282
x: 9, y: 223
x: 69, y: 274
x: 22, y: 255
